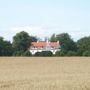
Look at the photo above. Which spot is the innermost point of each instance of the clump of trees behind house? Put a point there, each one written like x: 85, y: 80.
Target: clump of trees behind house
x: 22, y: 41
x: 5, y: 47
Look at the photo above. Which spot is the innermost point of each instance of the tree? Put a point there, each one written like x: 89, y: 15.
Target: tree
x: 53, y: 38
x: 5, y: 48
x: 86, y: 53
x: 22, y: 53
x: 72, y: 53
x: 67, y: 44
x: 83, y: 46
x: 27, y: 53
x: 44, y: 53
x: 22, y: 41
x: 60, y: 53
x: 18, y: 53
x: 38, y: 54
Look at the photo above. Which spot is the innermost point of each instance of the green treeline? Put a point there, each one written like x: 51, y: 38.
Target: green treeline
x: 22, y: 41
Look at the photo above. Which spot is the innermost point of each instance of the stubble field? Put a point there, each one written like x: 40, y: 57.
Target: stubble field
x: 51, y: 73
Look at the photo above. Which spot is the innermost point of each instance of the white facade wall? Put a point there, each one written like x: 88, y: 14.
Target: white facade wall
x: 33, y: 51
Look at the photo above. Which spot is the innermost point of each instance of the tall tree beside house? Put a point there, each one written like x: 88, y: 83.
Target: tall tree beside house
x: 5, y: 48
x: 53, y: 38
x: 22, y: 41
x: 67, y: 44
x: 84, y: 46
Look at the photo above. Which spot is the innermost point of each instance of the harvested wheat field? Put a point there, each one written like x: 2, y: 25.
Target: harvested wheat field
x: 50, y: 73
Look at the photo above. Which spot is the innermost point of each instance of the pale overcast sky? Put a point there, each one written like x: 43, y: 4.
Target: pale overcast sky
x: 45, y: 17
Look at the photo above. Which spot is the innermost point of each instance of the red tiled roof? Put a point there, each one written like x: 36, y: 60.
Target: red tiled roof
x: 43, y: 44
x: 39, y: 44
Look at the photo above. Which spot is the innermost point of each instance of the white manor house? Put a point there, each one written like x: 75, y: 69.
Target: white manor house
x: 40, y: 46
